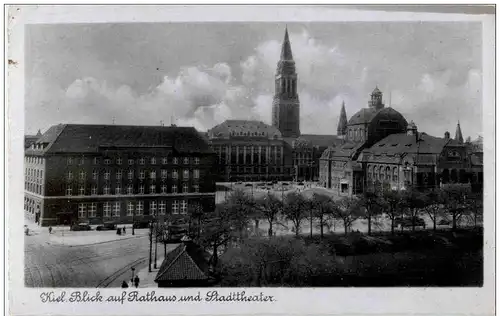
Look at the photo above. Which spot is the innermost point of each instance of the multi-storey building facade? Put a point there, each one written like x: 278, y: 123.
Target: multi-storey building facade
x: 97, y: 173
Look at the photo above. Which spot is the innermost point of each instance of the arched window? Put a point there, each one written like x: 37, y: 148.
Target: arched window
x: 395, y: 174
x: 388, y: 173
x: 350, y: 134
x: 375, y: 173
x: 381, y: 174
x: 370, y: 170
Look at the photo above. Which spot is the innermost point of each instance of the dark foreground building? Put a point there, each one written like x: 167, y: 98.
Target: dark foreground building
x: 98, y: 173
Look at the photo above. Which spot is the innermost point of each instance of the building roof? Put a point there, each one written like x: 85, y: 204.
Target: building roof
x: 244, y: 128
x: 286, y: 49
x: 81, y: 138
x: 342, y: 152
x: 396, y: 144
x: 322, y: 141
x: 366, y: 115
x: 186, y: 262
x: 29, y: 139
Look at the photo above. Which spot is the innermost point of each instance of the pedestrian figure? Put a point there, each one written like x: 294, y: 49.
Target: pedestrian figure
x: 136, y: 281
x: 124, y: 284
x: 118, y: 231
x: 50, y: 229
x: 124, y: 230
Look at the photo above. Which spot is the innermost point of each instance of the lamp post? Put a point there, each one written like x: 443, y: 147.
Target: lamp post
x: 156, y: 237
x: 150, y: 245
x: 133, y: 270
x: 133, y: 221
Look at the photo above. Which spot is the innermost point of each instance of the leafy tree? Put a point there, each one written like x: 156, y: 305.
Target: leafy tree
x: 270, y: 207
x: 242, y: 209
x: 372, y: 204
x: 433, y: 205
x: 216, y: 230
x: 347, y: 210
x: 455, y: 200
x: 295, y: 209
x: 195, y: 213
x: 414, y: 201
x: 323, y: 207
x: 393, y: 201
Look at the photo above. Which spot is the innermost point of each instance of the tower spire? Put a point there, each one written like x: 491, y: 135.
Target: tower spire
x: 458, y: 134
x: 342, y: 126
x: 286, y: 49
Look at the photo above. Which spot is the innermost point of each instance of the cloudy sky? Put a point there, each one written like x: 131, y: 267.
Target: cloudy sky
x: 201, y: 74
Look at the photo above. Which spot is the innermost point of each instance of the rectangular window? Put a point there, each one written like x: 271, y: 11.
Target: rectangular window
x: 70, y: 175
x: 130, y: 209
x: 70, y: 160
x: 163, y: 208
x: 174, y: 188
x: 153, y: 160
x: 175, y: 175
x: 106, y: 175
x: 186, y: 160
x: 106, y: 190
x: 81, y: 190
x: 118, y: 189
x: 119, y: 175
x: 185, y: 174
x: 82, y: 160
x: 131, y: 174
x: 131, y: 161
x: 164, y: 160
x: 152, y: 175
x: 196, y: 173
x: 95, y: 174
x: 93, y: 210
x: 164, y: 174
x: 184, y: 207
x: 69, y: 191
x: 82, y: 175
x: 140, y: 207
x: 141, y: 174
x: 107, y: 161
x: 163, y: 188
x: 196, y: 188
x: 152, y: 208
x: 141, y: 189
x: 93, y: 190
x: 196, y: 160
x: 175, y: 207
x: 116, y: 209
x: 130, y: 189
x: 142, y: 161
x: 185, y: 188
x: 175, y: 160
x: 119, y: 161
x: 152, y: 189
x: 96, y: 160
x: 82, y: 210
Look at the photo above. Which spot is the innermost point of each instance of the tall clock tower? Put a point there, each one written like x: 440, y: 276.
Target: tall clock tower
x: 286, y: 105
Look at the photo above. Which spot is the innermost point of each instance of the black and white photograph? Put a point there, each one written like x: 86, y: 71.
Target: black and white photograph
x: 254, y: 154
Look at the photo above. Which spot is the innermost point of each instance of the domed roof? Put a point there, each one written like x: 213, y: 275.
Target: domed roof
x: 366, y: 115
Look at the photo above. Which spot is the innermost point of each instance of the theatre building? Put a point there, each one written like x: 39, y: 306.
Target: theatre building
x: 97, y: 173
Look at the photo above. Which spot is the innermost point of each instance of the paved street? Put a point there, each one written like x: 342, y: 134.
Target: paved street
x: 107, y: 264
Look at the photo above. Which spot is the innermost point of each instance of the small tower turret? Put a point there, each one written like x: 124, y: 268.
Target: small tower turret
x: 458, y: 134
x: 342, y: 126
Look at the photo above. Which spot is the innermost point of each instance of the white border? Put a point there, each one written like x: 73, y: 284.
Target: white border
x: 435, y: 301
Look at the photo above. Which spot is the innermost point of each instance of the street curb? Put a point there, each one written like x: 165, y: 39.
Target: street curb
x: 104, y: 242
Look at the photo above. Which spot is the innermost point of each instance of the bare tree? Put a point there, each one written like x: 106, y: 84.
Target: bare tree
x: 392, y: 200
x: 270, y: 207
x: 294, y: 209
x: 371, y: 202
x: 347, y: 210
x: 455, y: 196
x: 474, y: 203
x: 217, y: 230
x: 414, y: 202
x: 434, y: 205
x: 242, y: 208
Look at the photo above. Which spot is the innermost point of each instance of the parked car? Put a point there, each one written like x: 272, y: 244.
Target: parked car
x: 142, y: 224
x: 284, y: 183
x: 80, y: 227
x: 239, y: 182
x: 107, y: 226
x: 407, y: 222
x: 249, y: 185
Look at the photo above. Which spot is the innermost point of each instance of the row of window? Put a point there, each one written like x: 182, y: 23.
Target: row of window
x: 140, y: 161
x: 33, y: 187
x: 113, y: 209
x: 34, y: 173
x: 142, y: 174
x: 152, y: 189
x: 383, y: 173
x: 34, y: 160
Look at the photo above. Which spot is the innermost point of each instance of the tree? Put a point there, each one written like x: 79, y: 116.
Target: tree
x: 392, y: 200
x: 414, y: 202
x: 474, y: 203
x: 347, y: 210
x: 434, y: 205
x: 195, y: 212
x: 216, y: 230
x: 372, y: 203
x: 455, y: 196
x: 270, y: 207
x: 323, y: 207
x: 295, y: 207
x: 241, y: 207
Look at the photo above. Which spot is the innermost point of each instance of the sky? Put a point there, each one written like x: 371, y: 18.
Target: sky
x: 200, y: 74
